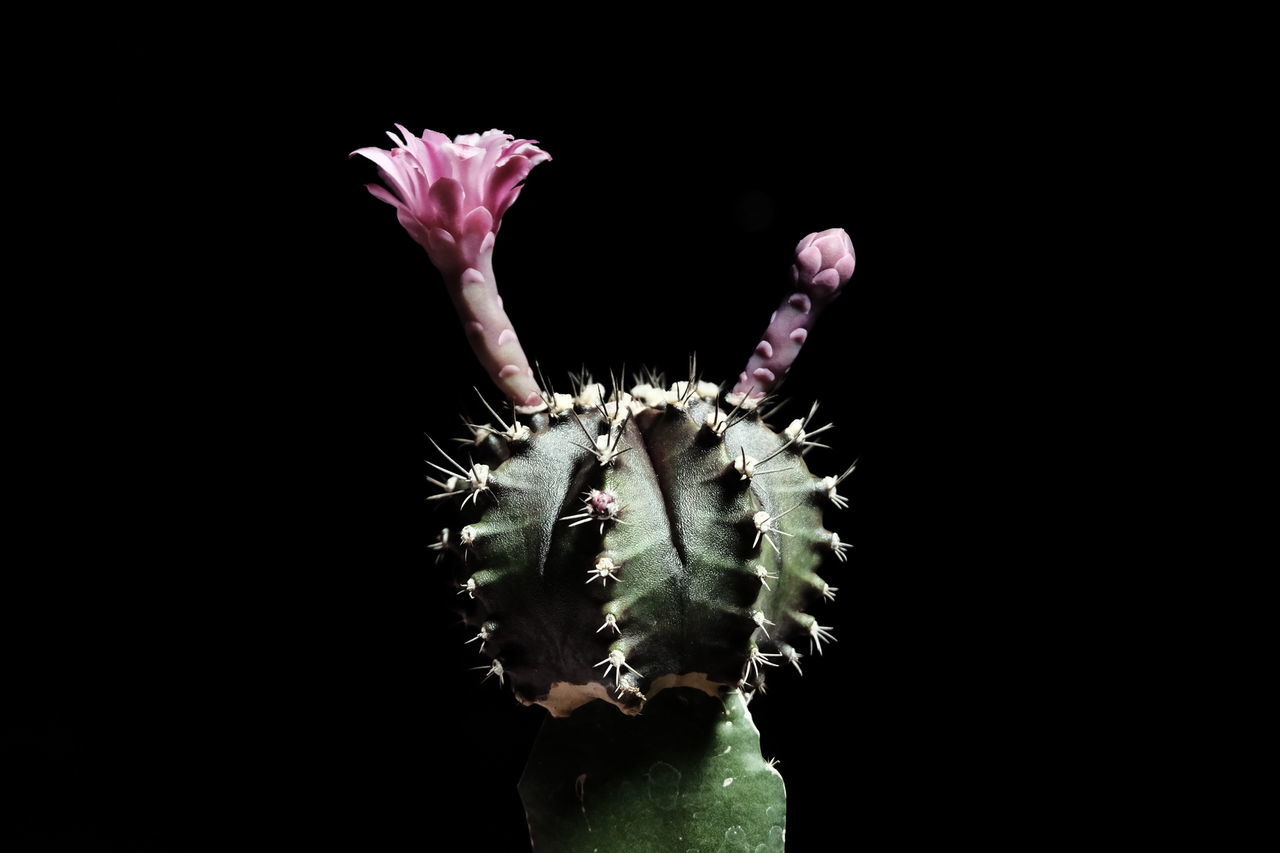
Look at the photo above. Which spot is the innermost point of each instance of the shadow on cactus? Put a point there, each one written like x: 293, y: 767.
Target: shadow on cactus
x: 636, y: 557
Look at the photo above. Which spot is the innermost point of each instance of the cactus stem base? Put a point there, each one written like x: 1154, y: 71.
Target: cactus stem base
x: 686, y: 774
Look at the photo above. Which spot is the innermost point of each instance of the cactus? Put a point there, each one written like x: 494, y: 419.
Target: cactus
x: 636, y: 557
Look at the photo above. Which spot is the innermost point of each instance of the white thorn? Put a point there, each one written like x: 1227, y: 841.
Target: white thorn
x: 469, y: 588
x: 591, y: 395
x: 829, y: 592
x: 479, y: 432
x: 467, y: 535
x: 605, y: 569
x: 765, y: 524
x: 617, y: 410
x: 607, y: 447
x: 678, y: 395
x: 651, y: 397
x: 740, y: 398
x: 819, y: 633
x: 757, y: 659
x: 494, y: 669
x: 618, y: 660
x: 610, y: 621
x: 828, y: 487
x: 628, y: 686
x: 559, y: 404
x: 758, y: 617
x: 717, y: 422
x: 517, y: 432
x: 484, y: 636
x: 765, y: 576
x: 839, y: 547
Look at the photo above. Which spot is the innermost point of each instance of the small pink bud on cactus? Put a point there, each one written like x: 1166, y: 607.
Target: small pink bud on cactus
x: 604, y: 503
x: 451, y: 196
x: 824, y: 263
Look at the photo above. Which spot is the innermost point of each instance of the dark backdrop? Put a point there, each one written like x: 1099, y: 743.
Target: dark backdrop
x: 294, y: 669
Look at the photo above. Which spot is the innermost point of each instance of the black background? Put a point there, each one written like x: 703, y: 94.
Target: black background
x: 286, y: 663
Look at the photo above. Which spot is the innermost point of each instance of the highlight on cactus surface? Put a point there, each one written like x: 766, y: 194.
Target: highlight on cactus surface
x: 637, y: 557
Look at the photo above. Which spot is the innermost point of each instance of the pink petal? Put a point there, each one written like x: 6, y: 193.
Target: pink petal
x: 526, y: 148
x: 391, y: 170
x: 474, y: 229
x: 809, y: 261
x: 499, y: 194
x: 382, y: 194
x: 478, y: 222
x: 420, y: 152
x: 447, y: 195
x: 430, y: 152
x: 844, y: 266
x: 414, y: 226
x: 440, y: 243
x: 471, y: 175
x: 832, y: 247
x: 827, y: 278
x: 433, y: 138
x: 502, y: 209
x: 494, y: 143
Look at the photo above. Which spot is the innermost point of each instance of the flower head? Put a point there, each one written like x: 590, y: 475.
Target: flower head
x: 450, y: 195
x: 824, y: 260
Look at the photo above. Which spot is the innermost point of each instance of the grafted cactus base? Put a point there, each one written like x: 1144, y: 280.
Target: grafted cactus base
x: 686, y: 775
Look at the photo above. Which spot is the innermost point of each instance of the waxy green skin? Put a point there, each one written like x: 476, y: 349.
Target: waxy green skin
x: 687, y: 582
x: 702, y: 604
x: 685, y: 775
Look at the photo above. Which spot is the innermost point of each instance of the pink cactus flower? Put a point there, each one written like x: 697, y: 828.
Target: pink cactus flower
x: 451, y: 195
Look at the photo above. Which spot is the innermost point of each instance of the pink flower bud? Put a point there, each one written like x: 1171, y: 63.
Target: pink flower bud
x: 824, y: 263
x: 825, y: 260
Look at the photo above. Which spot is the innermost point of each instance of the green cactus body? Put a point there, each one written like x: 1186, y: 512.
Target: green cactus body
x: 663, y: 565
